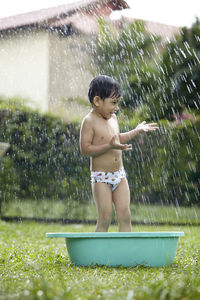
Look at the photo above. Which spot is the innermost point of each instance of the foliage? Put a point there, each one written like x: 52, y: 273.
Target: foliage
x: 34, y: 267
x: 164, y: 77
x: 164, y: 165
x: 177, y: 178
x: 125, y: 56
x: 160, y: 83
x: 43, y: 160
x: 177, y: 75
x: 9, y: 184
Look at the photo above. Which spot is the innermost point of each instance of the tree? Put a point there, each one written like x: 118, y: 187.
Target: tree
x: 178, y: 75
x: 162, y: 82
x: 125, y: 56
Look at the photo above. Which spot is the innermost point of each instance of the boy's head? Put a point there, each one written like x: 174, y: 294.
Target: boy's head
x: 104, y: 86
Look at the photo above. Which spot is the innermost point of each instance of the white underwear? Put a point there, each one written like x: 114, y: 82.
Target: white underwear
x: 111, y: 178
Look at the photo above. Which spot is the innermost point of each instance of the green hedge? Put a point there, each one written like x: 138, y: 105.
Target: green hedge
x: 43, y: 160
x: 164, y: 165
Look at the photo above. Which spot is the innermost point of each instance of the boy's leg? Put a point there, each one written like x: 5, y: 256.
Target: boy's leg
x: 121, y: 200
x: 103, y: 198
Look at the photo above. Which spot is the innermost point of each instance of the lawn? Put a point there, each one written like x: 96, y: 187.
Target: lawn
x: 74, y: 210
x: 34, y: 267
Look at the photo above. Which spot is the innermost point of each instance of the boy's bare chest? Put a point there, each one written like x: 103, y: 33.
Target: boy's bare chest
x: 105, y: 130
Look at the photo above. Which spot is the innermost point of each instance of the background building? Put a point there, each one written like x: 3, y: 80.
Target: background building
x: 46, y: 55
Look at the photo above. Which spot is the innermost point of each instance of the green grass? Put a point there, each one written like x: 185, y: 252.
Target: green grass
x: 34, y: 267
x: 75, y: 210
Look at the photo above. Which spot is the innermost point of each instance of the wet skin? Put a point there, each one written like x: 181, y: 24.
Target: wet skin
x: 101, y: 139
x: 102, y: 128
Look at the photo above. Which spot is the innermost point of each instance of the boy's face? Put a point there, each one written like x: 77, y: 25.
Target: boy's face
x: 107, y: 107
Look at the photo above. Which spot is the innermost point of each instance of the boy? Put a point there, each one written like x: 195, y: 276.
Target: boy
x: 101, y: 139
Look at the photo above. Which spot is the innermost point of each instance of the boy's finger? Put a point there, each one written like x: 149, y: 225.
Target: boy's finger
x: 128, y: 147
x: 153, y: 124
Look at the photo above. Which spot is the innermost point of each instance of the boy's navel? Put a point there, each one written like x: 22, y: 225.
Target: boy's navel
x: 102, y: 137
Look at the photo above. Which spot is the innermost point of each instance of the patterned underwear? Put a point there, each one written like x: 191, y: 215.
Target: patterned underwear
x: 111, y: 178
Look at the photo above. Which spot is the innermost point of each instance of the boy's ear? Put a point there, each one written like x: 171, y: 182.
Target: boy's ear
x: 96, y: 100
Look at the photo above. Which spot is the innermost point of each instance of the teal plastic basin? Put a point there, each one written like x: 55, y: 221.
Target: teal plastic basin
x: 128, y: 249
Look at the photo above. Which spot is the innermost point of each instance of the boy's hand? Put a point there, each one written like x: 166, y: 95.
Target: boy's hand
x: 147, y: 127
x: 115, y: 144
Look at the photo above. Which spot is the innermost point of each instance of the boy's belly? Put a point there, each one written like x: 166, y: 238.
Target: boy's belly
x: 108, y: 162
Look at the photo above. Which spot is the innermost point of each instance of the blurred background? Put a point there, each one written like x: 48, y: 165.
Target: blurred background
x: 49, y: 53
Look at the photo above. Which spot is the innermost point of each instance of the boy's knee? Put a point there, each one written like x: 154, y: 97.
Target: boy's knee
x: 105, y: 219
x: 124, y: 216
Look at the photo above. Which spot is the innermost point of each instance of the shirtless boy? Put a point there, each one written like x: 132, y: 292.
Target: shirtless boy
x: 101, y: 139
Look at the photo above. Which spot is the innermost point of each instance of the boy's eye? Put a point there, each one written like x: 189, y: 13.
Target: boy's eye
x: 115, y: 101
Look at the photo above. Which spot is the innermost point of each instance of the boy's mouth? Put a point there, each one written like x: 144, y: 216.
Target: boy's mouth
x: 115, y: 112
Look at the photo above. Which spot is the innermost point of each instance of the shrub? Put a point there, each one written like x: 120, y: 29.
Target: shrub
x: 43, y: 160
x: 164, y: 165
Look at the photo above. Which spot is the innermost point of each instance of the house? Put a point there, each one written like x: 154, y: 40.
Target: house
x: 165, y: 31
x: 45, y: 55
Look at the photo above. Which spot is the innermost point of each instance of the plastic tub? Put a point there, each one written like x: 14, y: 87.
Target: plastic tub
x: 128, y: 249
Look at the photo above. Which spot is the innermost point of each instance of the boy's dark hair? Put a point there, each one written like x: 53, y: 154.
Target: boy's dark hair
x: 104, y: 87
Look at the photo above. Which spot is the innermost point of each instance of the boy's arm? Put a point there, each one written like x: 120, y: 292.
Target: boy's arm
x: 86, y: 137
x: 142, y: 127
x: 86, y: 146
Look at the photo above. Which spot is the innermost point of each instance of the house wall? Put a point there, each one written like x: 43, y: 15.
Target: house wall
x: 71, y: 70
x: 24, y: 67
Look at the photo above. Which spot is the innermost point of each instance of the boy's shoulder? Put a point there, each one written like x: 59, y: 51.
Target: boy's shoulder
x: 88, y: 117
x: 88, y: 120
x: 92, y: 120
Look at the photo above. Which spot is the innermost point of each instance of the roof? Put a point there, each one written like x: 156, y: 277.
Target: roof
x: 63, y: 14
x: 166, y: 32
